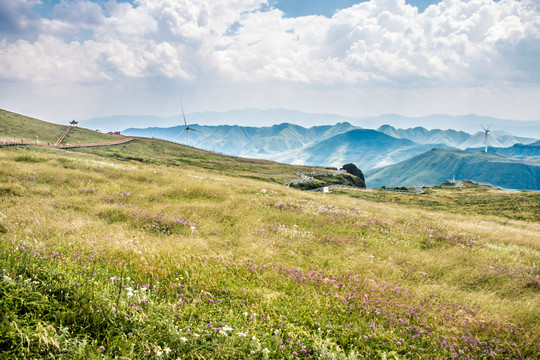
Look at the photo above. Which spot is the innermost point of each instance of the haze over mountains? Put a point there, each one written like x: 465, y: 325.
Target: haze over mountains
x: 257, y: 118
x: 328, y: 145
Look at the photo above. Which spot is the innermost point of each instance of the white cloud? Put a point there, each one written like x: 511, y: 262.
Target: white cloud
x: 381, y: 43
x: 17, y: 16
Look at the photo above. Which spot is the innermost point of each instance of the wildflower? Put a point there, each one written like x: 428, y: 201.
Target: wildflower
x: 281, y: 348
x: 241, y: 334
x: 265, y: 351
x: 167, y: 350
x: 184, y: 339
x: 227, y: 328
x: 101, y: 348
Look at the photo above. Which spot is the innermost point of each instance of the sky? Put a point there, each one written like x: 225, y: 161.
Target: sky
x: 63, y: 60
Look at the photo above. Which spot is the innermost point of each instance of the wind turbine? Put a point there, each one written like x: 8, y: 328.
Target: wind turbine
x: 486, y: 137
x: 186, y: 127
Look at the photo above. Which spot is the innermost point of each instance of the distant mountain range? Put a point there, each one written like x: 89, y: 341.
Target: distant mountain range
x: 257, y: 118
x: 453, y: 138
x: 263, y: 142
x: 438, y: 165
x: 328, y: 145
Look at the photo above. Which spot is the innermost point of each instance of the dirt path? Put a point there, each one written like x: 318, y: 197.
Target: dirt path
x: 4, y: 143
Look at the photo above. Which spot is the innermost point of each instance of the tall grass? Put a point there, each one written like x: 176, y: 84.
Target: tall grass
x: 118, y: 259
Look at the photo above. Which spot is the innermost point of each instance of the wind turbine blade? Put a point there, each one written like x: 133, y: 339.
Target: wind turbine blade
x: 180, y: 133
x: 483, y: 127
x: 183, y: 115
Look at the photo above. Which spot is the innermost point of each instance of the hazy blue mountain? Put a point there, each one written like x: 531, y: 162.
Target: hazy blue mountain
x: 422, y: 135
x: 262, y: 142
x: 478, y: 140
x: 468, y: 123
x: 365, y: 148
x: 119, y: 122
x: 437, y: 165
x: 529, y: 154
x: 453, y: 138
x: 244, y: 117
x: 507, y: 140
x: 256, y: 117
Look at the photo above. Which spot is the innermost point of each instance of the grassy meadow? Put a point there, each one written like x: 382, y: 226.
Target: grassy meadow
x: 151, y: 250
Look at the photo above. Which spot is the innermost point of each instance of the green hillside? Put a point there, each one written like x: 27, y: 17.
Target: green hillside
x: 20, y: 127
x: 158, y: 152
x: 437, y: 165
x: 152, y: 250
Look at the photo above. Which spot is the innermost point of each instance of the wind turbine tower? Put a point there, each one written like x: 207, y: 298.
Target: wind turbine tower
x: 186, y: 127
x: 486, y: 130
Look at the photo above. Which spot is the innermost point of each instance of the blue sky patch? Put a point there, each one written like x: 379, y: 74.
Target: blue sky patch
x: 296, y: 8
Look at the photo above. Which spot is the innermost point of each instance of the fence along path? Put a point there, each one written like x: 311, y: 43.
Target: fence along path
x: 4, y: 143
